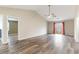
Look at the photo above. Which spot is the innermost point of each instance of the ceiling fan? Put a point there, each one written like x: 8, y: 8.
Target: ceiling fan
x: 50, y: 14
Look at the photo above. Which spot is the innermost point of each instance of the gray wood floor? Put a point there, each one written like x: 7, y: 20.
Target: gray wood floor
x: 46, y: 44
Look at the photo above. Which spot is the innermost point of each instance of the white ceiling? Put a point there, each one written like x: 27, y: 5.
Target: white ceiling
x: 64, y: 12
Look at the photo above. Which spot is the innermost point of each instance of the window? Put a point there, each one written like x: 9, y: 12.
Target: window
x: 58, y: 28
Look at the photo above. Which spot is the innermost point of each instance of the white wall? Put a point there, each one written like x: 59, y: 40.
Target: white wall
x: 0, y: 22
x: 76, y: 24
x: 30, y: 23
x: 76, y: 29
x: 31, y: 26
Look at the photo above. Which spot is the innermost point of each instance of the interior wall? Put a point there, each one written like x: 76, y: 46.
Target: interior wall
x: 0, y: 26
x: 76, y: 31
x: 76, y: 24
x: 0, y: 22
x: 31, y: 26
x: 69, y: 27
x: 30, y: 23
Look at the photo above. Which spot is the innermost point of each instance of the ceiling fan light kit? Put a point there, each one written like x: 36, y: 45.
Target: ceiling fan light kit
x: 51, y: 15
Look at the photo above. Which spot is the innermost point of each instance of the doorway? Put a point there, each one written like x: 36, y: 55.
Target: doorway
x: 12, y: 29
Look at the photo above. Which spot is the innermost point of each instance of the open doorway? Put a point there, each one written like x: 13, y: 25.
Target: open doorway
x: 12, y: 29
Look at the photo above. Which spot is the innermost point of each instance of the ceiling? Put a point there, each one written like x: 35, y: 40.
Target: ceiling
x: 63, y: 12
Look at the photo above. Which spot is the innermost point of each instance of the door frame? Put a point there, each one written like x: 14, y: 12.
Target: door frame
x: 17, y: 17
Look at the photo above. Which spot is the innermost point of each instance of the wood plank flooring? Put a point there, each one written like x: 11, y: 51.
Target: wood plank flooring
x: 46, y: 44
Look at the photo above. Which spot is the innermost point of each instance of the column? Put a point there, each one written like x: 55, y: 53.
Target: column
x: 5, y: 30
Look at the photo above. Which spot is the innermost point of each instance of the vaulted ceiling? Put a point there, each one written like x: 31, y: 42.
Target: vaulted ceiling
x: 63, y: 12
